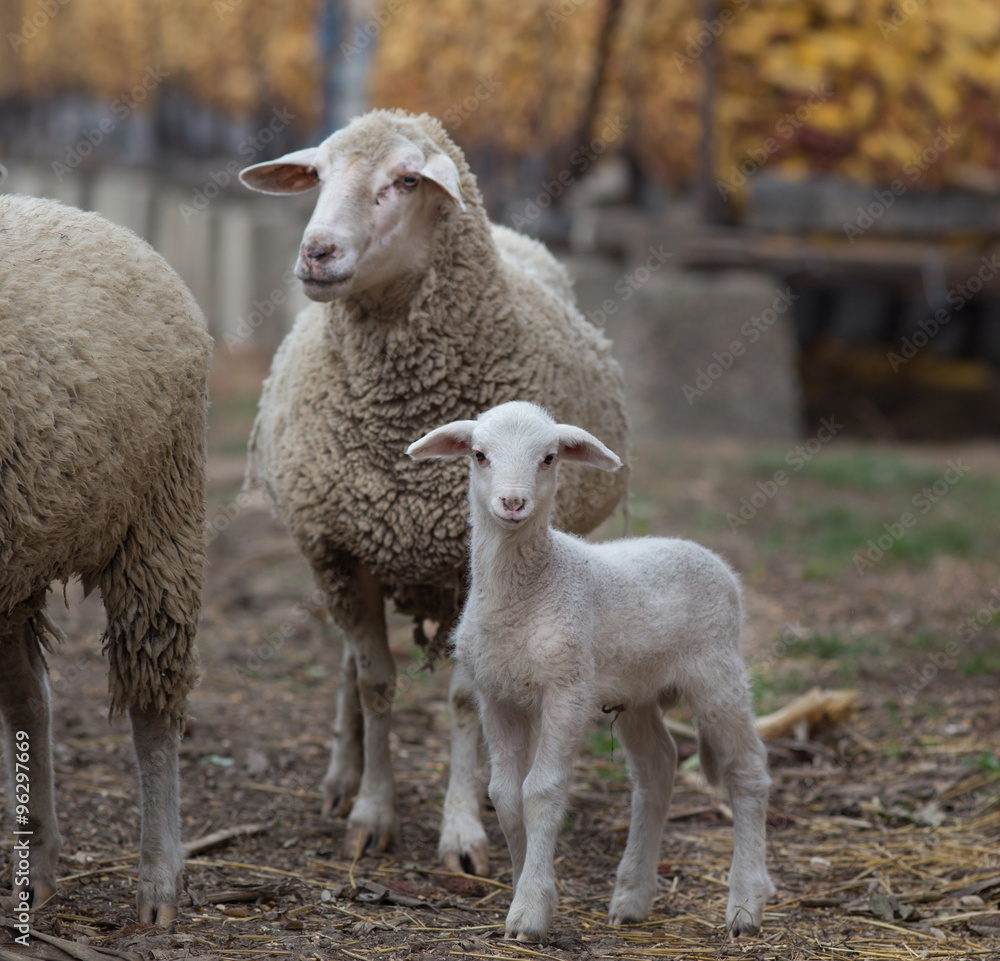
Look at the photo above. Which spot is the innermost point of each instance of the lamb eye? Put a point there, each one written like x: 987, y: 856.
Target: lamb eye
x: 409, y: 180
x: 549, y: 458
x: 480, y: 456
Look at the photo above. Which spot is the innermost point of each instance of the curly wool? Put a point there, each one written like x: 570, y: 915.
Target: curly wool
x: 354, y: 383
x: 103, y: 369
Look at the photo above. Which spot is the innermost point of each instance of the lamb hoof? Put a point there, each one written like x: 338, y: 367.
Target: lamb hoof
x: 740, y: 921
x: 530, y: 914
x: 474, y: 861
x: 629, y: 907
x: 161, y: 914
x: 362, y: 839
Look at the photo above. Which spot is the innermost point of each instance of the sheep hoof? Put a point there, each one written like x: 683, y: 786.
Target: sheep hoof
x: 161, y: 914
x: 474, y: 861
x: 336, y: 805
x: 361, y: 839
x: 41, y: 894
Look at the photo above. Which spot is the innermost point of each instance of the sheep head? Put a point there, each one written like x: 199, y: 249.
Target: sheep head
x: 383, y: 185
x: 515, y: 450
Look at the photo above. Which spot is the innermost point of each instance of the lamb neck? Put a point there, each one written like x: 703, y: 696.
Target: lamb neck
x: 509, y: 563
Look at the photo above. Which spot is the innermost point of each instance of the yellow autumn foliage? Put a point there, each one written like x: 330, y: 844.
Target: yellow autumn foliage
x: 239, y: 56
x: 854, y: 88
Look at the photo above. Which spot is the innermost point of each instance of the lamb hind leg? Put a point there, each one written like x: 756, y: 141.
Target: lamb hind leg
x: 25, y: 709
x: 652, y: 758
x: 732, y: 753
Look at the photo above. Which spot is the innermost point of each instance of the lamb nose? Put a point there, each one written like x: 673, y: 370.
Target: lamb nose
x: 513, y: 504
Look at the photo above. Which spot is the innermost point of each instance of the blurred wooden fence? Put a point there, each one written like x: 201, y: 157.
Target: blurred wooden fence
x: 234, y: 249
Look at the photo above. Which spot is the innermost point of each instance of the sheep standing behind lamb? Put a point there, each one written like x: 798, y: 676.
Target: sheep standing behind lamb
x: 424, y: 312
x: 103, y: 369
x: 555, y: 628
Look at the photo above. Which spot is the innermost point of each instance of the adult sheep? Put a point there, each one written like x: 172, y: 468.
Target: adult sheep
x: 103, y: 364
x: 424, y: 312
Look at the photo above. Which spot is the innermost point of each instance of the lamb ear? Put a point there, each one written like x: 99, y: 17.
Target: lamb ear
x: 452, y: 440
x: 292, y: 174
x: 576, y: 444
x: 441, y: 169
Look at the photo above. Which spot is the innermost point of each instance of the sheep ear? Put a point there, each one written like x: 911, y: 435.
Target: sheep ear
x: 292, y: 174
x: 452, y: 440
x: 441, y: 169
x: 576, y: 444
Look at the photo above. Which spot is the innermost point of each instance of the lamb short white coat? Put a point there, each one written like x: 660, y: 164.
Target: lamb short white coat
x: 555, y: 628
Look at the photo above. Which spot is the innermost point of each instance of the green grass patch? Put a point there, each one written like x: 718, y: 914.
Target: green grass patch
x: 981, y: 660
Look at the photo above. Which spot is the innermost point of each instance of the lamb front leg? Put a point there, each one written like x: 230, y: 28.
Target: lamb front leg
x: 463, y: 844
x: 371, y: 825
x: 156, y: 738
x: 508, y: 737
x: 544, y: 795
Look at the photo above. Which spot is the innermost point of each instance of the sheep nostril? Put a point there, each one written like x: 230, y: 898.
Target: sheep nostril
x: 513, y: 505
x: 320, y: 251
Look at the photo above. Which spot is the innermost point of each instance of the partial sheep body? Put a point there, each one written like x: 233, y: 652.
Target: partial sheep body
x: 425, y: 312
x: 556, y: 629
x: 103, y: 366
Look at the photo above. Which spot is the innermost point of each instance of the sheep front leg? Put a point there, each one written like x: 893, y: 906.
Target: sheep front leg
x: 652, y: 761
x: 24, y: 707
x: 343, y: 776
x: 371, y: 825
x: 463, y: 844
x: 543, y: 796
x: 156, y: 739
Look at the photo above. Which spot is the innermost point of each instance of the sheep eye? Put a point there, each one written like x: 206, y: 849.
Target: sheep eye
x: 548, y: 459
x: 480, y: 456
x: 409, y: 181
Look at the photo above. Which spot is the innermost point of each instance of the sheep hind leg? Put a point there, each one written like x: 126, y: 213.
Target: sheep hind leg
x: 371, y: 825
x: 464, y: 845
x: 732, y: 754
x: 343, y: 776
x: 156, y: 739
x: 652, y: 759
x: 26, y: 714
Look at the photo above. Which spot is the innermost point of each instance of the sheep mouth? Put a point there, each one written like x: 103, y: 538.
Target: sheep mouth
x: 326, y: 288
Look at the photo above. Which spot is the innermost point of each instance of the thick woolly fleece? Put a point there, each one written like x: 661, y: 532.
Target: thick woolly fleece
x: 103, y: 367
x: 493, y: 319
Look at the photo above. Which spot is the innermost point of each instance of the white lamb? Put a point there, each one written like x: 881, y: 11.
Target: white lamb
x: 555, y: 628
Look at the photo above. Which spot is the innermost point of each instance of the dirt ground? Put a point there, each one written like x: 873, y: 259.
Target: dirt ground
x: 884, y: 831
